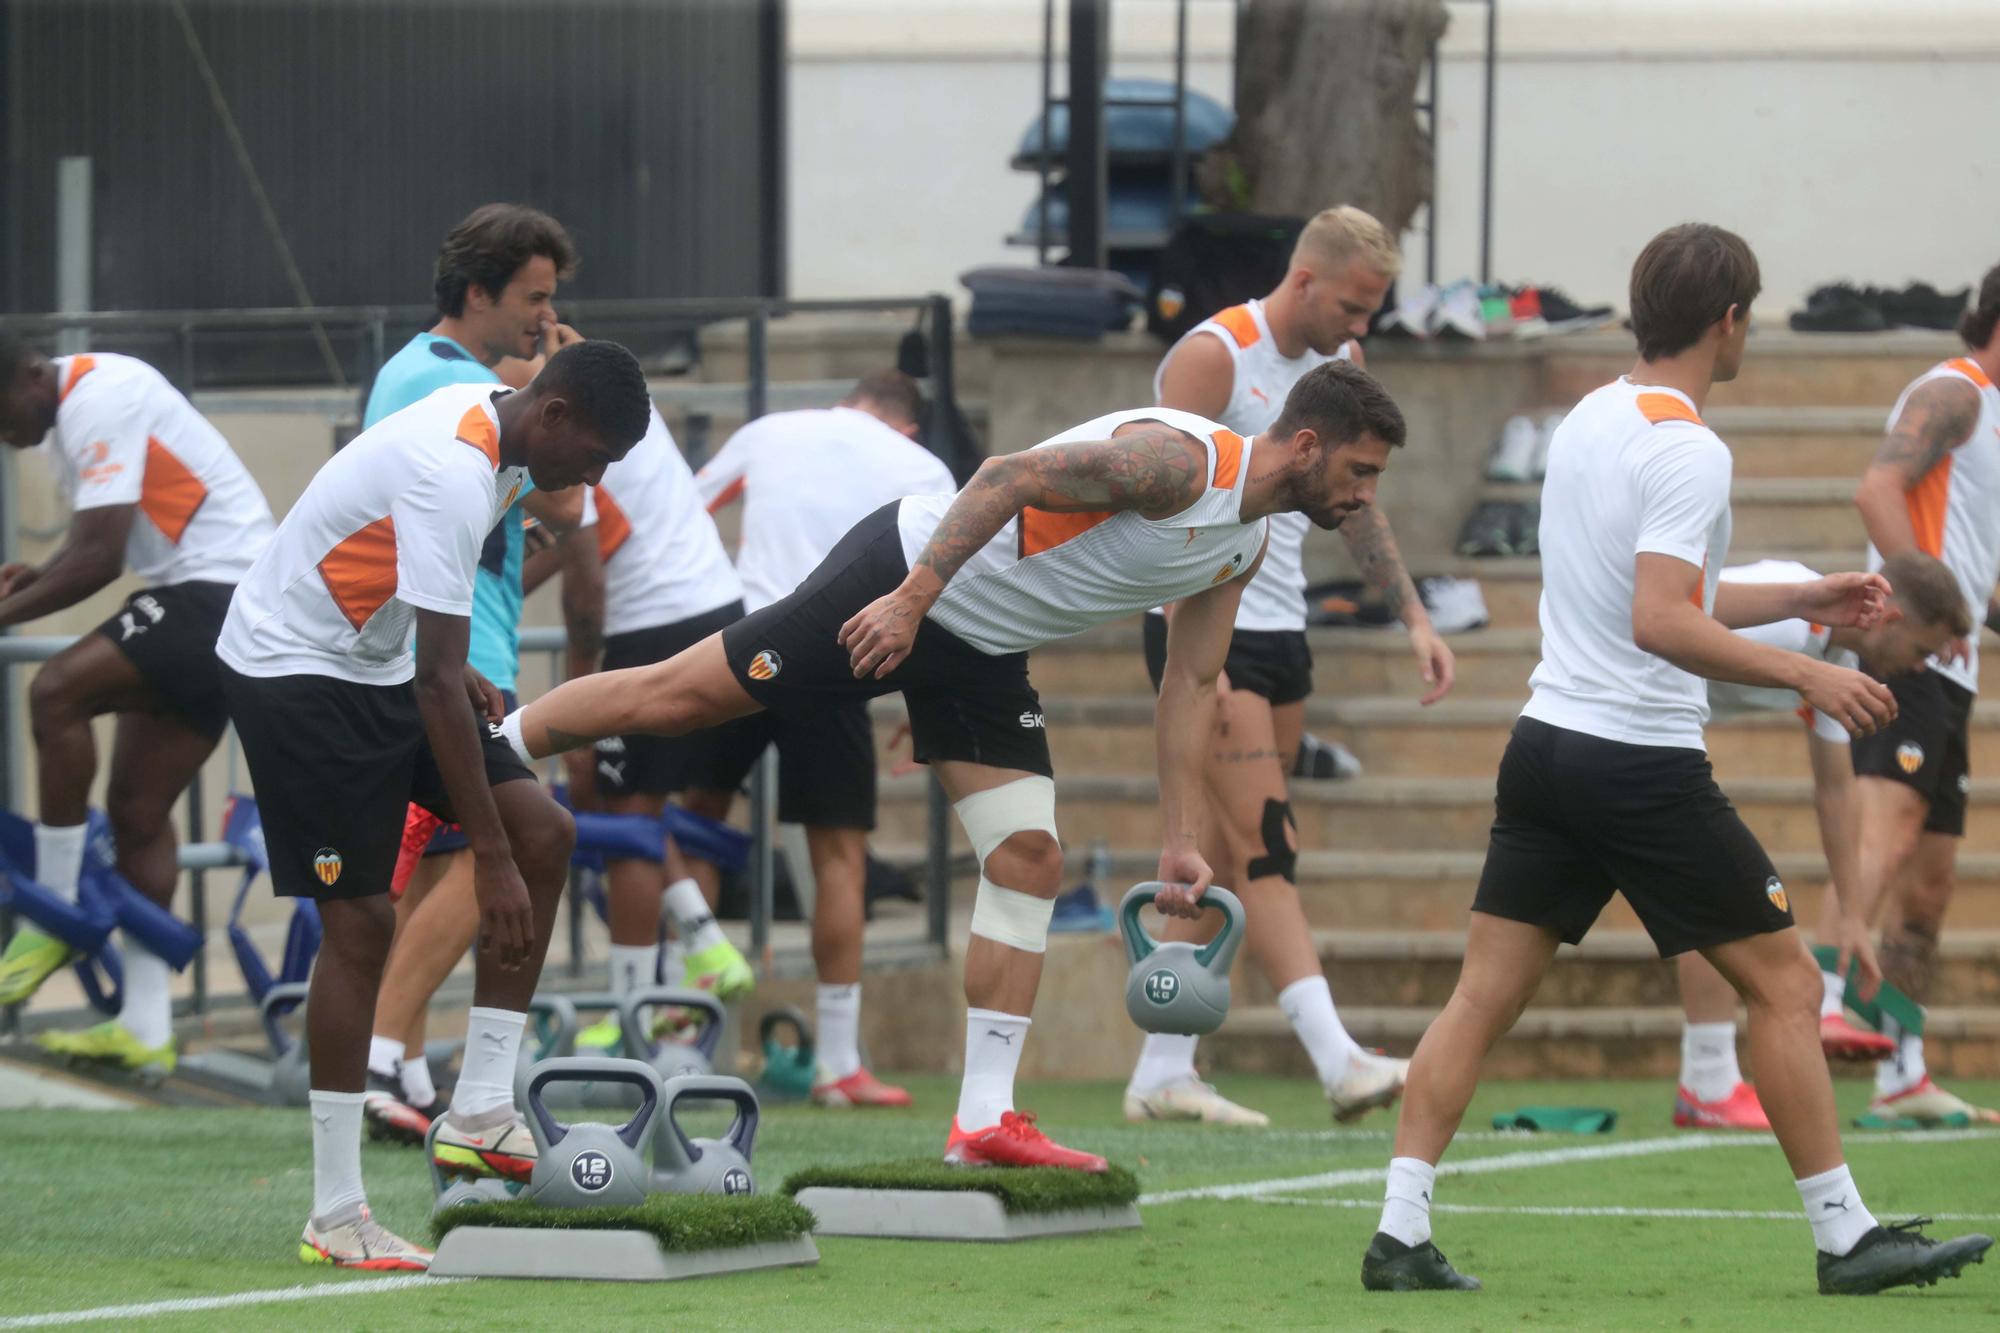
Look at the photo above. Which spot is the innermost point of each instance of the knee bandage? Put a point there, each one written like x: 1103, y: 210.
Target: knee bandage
x: 1003, y: 915
x: 1279, y: 828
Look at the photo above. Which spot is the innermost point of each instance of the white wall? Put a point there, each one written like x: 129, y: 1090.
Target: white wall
x: 1843, y: 139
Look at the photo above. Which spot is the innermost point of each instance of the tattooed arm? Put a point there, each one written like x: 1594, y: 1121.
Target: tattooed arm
x: 1146, y: 467
x: 1938, y: 418
x: 1373, y: 547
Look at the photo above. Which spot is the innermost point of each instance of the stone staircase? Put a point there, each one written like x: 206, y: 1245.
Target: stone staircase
x: 1390, y: 860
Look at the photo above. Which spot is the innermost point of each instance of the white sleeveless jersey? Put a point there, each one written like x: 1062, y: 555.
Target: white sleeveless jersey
x: 1726, y: 699
x: 1276, y: 597
x: 1047, y: 576
x: 663, y: 559
x: 1955, y: 510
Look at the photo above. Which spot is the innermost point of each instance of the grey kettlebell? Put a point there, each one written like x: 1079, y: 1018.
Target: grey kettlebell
x: 672, y: 1058
x: 550, y: 1032
x: 1180, y: 988
x: 610, y: 1095
x: 683, y: 1165
x: 589, y: 1165
x: 291, y: 1067
x: 447, y: 1193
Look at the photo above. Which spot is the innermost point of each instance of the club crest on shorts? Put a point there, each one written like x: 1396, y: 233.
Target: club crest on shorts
x: 1775, y: 891
x: 1228, y: 571
x: 766, y: 664
x: 327, y: 865
x: 1909, y: 756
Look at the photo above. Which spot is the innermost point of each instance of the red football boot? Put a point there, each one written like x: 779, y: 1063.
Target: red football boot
x: 860, y: 1088
x: 1739, y: 1110
x: 1841, y: 1040
x: 1014, y: 1142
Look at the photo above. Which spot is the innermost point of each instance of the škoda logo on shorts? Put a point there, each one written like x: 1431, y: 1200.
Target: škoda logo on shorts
x: 765, y: 665
x: 327, y: 865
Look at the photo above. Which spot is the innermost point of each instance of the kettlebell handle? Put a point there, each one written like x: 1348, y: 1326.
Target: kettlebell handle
x: 1138, y: 944
x: 562, y: 1012
x: 787, y: 1017
x: 742, y: 1135
x: 638, y: 1046
x: 590, y: 1069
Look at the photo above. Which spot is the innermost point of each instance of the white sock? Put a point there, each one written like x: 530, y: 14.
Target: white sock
x: 1834, y: 1207
x: 147, y: 1011
x: 1308, y: 1003
x: 838, y: 1041
x: 59, y: 858
x: 1708, y: 1060
x: 486, y: 1071
x: 693, y: 922
x: 1166, y: 1058
x: 673, y: 962
x: 1834, y: 1003
x: 385, y: 1055
x: 1406, y: 1207
x: 336, y: 1122
x: 1903, y: 1070
x: 415, y: 1076
x: 993, y: 1043
x: 633, y: 966
x: 510, y: 732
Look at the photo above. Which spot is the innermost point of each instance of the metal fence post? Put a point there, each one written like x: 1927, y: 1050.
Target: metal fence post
x: 937, y: 868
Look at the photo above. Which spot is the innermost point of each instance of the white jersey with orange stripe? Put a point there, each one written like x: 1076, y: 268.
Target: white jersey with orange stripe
x: 1275, y: 598
x: 1046, y: 576
x: 124, y: 436
x: 391, y: 525
x: 1726, y: 699
x: 1955, y: 510
x: 663, y: 559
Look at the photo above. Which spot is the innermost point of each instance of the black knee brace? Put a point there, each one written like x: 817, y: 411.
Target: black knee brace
x: 1279, y: 858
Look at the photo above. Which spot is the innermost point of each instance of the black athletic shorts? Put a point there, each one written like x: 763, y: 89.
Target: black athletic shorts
x: 1928, y: 747
x: 653, y: 765
x: 826, y: 763
x: 169, y: 634
x: 1577, y: 817
x: 964, y: 704
x: 1275, y: 664
x: 334, y: 766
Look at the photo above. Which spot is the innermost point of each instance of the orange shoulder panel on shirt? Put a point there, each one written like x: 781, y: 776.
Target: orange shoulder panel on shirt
x: 1042, y: 530
x: 1969, y: 368
x: 1663, y: 407
x: 170, y: 493
x: 477, y: 429
x: 1228, y: 458
x: 613, y: 525
x: 1927, y: 501
x: 727, y: 496
x: 78, y: 368
x: 360, y: 571
x: 1242, y: 325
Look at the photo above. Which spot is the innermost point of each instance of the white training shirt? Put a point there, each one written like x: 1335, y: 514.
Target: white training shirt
x: 1632, y: 470
x: 805, y: 478
x: 1276, y: 596
x: 1047, y: 576
x: 390, y: 525
x: 663, y: 559
x: 124, y: 436
x: 1955, y: 511
x: 1726, y: 699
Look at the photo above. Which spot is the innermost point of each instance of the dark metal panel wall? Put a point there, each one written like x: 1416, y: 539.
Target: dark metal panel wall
x: 647, y: 126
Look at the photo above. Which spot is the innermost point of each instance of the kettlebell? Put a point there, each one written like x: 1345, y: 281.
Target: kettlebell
x: 1179, y: 988
x: 552, y: 1027
x: 789, y: 1071
x: 672, y: 1058
x: 682, y: 1165
x: 291, y: 1066
x: 448, y: 1193
x: 588, y: 1165
x: 610, y: 1096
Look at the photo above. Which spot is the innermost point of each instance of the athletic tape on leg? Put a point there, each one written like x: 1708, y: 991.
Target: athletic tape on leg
x: 1008, y: 916
x: 1279, y: 827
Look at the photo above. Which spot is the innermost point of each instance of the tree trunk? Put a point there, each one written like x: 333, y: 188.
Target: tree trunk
x: 1326, y: 109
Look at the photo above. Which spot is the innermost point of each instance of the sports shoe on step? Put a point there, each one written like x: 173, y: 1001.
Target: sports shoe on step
x: 1513, y: 457
x: 1488, y: 529
x: 860, y: 1088
x: 1922, y: 306
x: 1190, y: 1099
x: 493, y: 1143
x: 1838, y: 308
x: 112, y: 1044
x: 357, y: 1240
x: 1739, y: 1110
x: 1929, y: 1106
x: 1563, y: 315
x: 1525, y: 305
x: 1412, y: 316
x: 1391, y: 1265
x: 720, y: 968
x: 32, y: 957
x: 1898, y: 1255
x: 1455, y: 605
x: 1496, y: 310
x: 389, y: 1118
x: 1841, y: 1040
x: 1015, y: 1142
x: 1328, y: 761
x: 1371, y: 1079
x: 1458, y: 314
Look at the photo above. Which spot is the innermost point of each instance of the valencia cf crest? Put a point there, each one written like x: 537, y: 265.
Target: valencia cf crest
x: 327, y: 865
x: 1909, y: 756
x: 1228, y: 571
x: 1775, y: 891
x: 766, y: 664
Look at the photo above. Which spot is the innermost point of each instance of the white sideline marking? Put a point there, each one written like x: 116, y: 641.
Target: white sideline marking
x: 1545, y: 1210
x: 192, y: 1304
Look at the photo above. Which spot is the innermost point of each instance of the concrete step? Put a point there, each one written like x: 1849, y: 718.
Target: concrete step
x: 1780, y: 369
x: 1800, y: 441
x: 1641, y: 1042
x: 1775, y: 513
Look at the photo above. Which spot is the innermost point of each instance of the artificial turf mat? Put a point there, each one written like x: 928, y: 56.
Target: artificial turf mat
x: 1034, y: 1189
x: 680, y: 1222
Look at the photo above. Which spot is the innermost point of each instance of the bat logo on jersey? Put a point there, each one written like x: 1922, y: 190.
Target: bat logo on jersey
x: 1228, y: 571
x: 1775, y: 891
x: 766, y: 665
x: 327, y: 865
x: 1909, y: 756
